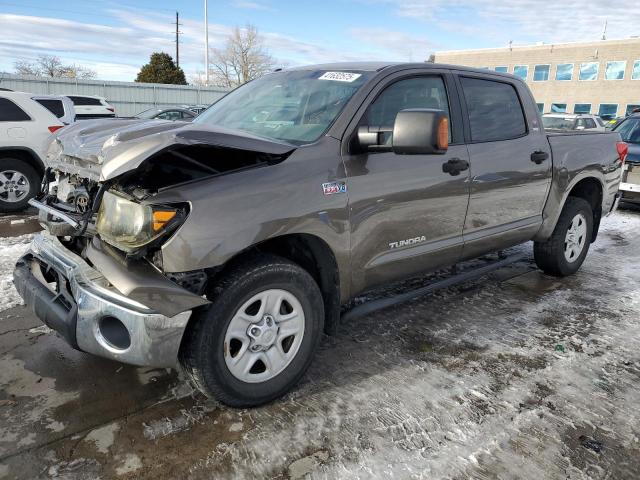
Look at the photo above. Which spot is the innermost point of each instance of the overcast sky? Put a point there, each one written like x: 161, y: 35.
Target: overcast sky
x: 116, y: 37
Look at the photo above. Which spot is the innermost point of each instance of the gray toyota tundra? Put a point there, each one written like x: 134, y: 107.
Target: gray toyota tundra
x: 227, y: 246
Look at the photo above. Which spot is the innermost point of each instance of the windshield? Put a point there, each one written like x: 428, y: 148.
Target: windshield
x: 629, y: 130
x: 558, y: 123
x: 148, y: 113
x: 295, y: 106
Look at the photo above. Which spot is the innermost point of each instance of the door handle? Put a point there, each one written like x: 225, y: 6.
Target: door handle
x: 454, y: 166
x: 539, y: 156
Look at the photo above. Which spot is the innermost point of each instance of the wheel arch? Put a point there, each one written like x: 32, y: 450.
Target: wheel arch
x: 591, y: 190
x: 309, y: 251
x: 26, y: 154
x: 585, y: 185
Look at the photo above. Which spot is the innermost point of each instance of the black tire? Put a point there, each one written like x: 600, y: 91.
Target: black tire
x: 202, y: 351
x: 18, y: 165
x: 550, y: 255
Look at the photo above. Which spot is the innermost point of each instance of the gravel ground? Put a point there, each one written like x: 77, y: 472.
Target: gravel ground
x: 516, y: 375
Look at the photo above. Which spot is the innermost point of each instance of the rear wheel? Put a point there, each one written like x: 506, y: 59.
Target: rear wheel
x: 258, y: 336
x: 19, y: 182
x: 564, y: 253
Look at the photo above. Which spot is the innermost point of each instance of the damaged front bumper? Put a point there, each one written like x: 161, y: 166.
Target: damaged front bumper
x: 82, y: 305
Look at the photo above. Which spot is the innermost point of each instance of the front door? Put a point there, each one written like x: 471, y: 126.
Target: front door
x: 406, y: 213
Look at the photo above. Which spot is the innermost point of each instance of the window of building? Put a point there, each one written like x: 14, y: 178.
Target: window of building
x: 635, y: 74
x: 502, y: 69
x: 589, y: 71
x: 540, y: 107
x: 521, y: 71
x: 608, y: 111
x: 631, y: 107
x: 10, y: 112
x: 582, y: 108
x: 615, y: 70
x: 54, y: 106
x: 564, y: 71
x: 541, y: 73
x: 495, y: 112
x: 558, y: 108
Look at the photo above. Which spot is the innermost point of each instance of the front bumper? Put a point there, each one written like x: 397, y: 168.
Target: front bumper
x: 77, y: 301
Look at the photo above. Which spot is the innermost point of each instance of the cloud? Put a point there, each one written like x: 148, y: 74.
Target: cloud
x: 525, y: 20
x: 250, y: 5
x: 398, y: 45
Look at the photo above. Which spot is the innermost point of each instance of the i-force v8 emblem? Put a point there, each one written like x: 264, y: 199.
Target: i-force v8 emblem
x: 332, y: 188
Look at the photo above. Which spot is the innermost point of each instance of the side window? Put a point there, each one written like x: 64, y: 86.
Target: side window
x: 54, y: 106
x: 589, y: 123
x: 495, y: 112
x: 10, y: 112
x: 415, y: 92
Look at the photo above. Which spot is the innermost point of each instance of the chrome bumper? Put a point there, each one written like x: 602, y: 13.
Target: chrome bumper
x: 154, y: 338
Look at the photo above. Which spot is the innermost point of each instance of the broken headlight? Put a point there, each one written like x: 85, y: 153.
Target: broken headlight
x: 129, y: 225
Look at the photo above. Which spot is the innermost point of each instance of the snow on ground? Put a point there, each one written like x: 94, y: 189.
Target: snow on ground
x: 517, y: 375
x: 11, y: 249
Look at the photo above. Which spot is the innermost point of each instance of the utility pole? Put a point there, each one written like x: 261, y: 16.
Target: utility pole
x: 178, y: 32
x: 206, y: 44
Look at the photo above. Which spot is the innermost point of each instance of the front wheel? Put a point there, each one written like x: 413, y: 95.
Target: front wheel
x: 258, y: 337
x: 564, y: 253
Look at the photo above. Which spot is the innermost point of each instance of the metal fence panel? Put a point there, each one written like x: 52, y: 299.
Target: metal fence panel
x: 128, y: 98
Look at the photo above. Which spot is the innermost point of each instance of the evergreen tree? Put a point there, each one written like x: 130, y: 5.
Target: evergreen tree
x: 161, y: 69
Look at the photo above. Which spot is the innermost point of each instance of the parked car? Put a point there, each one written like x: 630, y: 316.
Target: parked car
x: 181, y: 114
x: 61, y: 106
x: 572, y: 121
x: 629, y: 130
x: 25, y: 126
x: 89, y: 106
x: 228, y: 245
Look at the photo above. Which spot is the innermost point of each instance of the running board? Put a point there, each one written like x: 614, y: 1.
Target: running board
x: 455, y: 279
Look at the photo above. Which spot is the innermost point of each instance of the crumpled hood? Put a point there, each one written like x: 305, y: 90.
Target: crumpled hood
x: 106, y: 148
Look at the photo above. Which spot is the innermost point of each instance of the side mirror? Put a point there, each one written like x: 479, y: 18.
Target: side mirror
x: 420, y: 131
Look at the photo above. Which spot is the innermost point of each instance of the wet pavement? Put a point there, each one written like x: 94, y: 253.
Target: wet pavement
x: 516, y: 375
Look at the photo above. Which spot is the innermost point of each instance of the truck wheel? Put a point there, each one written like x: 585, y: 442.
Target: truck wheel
x: 567, y: 248
x: 19, y: 182
x: 258, y: 337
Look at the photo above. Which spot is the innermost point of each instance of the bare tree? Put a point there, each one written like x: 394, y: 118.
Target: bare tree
x: 243, y: 58
x: 52, y: 66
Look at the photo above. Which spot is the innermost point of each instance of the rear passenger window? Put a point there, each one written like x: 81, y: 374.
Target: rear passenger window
x: 54, y: 106
x: 416, y: 92
x: 85, y: 101
x: 10, y: 112
x: 494, y: 109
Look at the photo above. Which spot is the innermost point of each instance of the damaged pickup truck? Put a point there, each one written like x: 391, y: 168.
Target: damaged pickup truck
x: 226, y: 247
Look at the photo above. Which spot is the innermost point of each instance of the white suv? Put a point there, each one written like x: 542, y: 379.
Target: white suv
x: 88, y: 106
x: 25, y: 128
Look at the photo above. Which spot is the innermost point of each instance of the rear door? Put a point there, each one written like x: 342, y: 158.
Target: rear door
x: 510, y: 164
x: 406, y: 214
x: 14, y: 124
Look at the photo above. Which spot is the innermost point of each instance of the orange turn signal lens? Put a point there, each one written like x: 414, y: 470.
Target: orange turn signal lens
x: 161, y: 218
x: 443, y: 134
